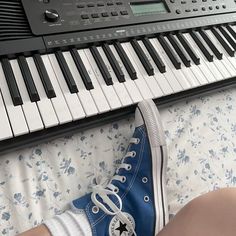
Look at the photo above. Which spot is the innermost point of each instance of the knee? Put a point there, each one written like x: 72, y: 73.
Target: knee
x: 212, y: 198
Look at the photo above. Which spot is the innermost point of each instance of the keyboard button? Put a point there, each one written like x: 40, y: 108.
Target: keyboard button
x: 184, y: 57
x: 119, y: 73
x: 105, y: 14
x: 211, y: 45
x: 188, y: 48
x: 124, y: 13
x: 29, y: 108
x: 202, y: 47
x: 125, y: 59
x: 15, y: 113
x: 155, y: 56
x: 142, y: 57
x: 29, y: 82
x: 66, y: 72
x: 81, y: 68
x: 44, y: 76
x: 72, y: 100
x: 11, y: 82
x: 169, y: 52
x: 45, y: 105
x: 102, y: 67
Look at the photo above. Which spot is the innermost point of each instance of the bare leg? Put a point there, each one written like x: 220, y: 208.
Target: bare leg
x: 41, y: 230
x: 212, y: 214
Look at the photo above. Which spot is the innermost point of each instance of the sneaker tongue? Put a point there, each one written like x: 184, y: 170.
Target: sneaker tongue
x: 138, y: 118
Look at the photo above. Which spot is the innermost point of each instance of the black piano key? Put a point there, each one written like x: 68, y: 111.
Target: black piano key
x: 228, y: 37
x: 11, y: 82
x: 142, y: 57
x: 115, y: 65
x: 231, y: 30
x: 214, y: 49
x: 223, y: 42
x: 28, y: 79
x: 202, y: 47
x: 184, y: 57
x: 44, y: 76
x: 155, y: 56
x: 170, y: 53
x: 66, y: 72
x: 101, y: 65
x: 188, y: 48
x: 126, y: 61
x: 82, y: 70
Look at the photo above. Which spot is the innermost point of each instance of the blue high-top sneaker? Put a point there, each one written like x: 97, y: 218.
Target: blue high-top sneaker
x: 134, y: 201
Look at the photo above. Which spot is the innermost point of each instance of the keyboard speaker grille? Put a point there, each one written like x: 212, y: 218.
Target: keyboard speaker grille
x: 13, y: 21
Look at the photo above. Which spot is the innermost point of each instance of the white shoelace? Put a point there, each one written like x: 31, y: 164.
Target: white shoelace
x: 111, y: 189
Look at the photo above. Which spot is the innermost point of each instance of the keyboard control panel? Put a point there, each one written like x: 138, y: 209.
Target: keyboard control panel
x: 60, y: 16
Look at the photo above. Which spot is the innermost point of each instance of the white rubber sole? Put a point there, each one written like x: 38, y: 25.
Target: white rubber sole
x: 157, y: 142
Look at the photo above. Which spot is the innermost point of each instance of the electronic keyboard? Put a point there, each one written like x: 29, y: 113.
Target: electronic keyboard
x: 67, y: 65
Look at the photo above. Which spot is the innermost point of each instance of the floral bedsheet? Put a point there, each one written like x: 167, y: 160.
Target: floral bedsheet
x: 39, y: 182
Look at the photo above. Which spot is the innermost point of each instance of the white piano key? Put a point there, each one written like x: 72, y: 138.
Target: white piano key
x: 160, y: 78
x: 59, y: 103
x: 108, y: 91
x: 203, y: 64
x: 15, y: 113
x: 180, y: 76
x: 157, y: 83
x: 214, y: 66
x: 118, y: 87
x: 84, y: 95
x: 174, y: 83
x: 140, y: 82
x: 228, y: 70
x: 223, y: 67
x: 187, y: 71
x: 72, y: 100
x: 45, y: 106
x: 30, y: 109
x: 150, y: 80
x: 5, y: 127
x: 129, y: 83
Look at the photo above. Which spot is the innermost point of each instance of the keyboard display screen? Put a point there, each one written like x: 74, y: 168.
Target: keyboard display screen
x: 150, y: 7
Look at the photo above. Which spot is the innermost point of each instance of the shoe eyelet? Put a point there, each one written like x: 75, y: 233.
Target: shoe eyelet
x: 137, y: 141
x: 123, y: 179
x: 116, y: 190
x: 129, y: 167
x: 133, y: 154
x: 144, y: 180
x: 95, y: 209
x: 146, y: 199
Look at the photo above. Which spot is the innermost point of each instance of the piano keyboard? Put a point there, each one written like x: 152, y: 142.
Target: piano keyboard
x: 45, y: 90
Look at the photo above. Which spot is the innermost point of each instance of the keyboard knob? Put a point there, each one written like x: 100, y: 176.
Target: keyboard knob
x: 51, y: 15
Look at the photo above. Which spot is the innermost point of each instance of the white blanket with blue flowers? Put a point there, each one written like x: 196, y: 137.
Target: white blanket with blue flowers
x: 39, y: 182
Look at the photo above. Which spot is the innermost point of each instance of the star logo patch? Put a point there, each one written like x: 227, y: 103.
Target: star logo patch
x: 118, y: 228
